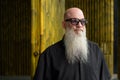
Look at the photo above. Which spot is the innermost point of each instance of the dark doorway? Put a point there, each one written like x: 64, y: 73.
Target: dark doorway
x: 115, y: 35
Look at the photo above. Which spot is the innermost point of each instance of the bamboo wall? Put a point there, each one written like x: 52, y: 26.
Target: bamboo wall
x: 99, y: 14
x: 47, y: 16
x: 51, y: 21
x: 118, y: 48
x: 15, y: 39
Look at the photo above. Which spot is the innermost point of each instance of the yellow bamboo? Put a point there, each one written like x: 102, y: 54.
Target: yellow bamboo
x: 46, y: 26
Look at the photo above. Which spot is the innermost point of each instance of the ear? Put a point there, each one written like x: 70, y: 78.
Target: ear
x: 64, y: 24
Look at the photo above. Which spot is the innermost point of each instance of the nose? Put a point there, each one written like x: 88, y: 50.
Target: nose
x: 79, y: 25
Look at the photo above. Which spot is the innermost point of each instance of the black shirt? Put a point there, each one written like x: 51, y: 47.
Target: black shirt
x: 53, y: 65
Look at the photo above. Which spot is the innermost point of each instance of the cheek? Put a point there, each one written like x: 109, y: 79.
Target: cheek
x: 84, y: 28
x: 69, y: 26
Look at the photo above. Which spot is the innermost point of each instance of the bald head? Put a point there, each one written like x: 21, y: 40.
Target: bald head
x: 73, y: 13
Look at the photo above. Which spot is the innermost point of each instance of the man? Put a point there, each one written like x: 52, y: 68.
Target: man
x: 74, y: 57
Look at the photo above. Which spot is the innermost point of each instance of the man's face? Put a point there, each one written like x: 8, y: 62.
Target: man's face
x: 78, y: 25
x: 75, y: 20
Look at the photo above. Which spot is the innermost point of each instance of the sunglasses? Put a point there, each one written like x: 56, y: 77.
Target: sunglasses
x: 75, y: 21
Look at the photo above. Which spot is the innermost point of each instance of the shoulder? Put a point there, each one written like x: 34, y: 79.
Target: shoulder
x: 54, y: 47
x: 54, y: 52
x: 95, y: 52
x: 92, y: 44
x: 94, y: 47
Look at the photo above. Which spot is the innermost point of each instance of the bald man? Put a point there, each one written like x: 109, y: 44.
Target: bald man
x: 74, y: 57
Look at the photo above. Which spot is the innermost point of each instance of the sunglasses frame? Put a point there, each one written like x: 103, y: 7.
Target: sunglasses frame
x: 75, y: 21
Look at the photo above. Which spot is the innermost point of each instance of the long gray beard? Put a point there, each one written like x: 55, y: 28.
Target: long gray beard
x: 76, y: 46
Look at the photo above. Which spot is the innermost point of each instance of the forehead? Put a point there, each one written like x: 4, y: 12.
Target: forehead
x: 74, y: 13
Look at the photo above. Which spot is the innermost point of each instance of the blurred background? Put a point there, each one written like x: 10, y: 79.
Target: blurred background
x: 28, y: 27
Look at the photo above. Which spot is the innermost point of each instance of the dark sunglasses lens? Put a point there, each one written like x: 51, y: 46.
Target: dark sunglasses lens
x: 74, y: 21
x: 83, y: 22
